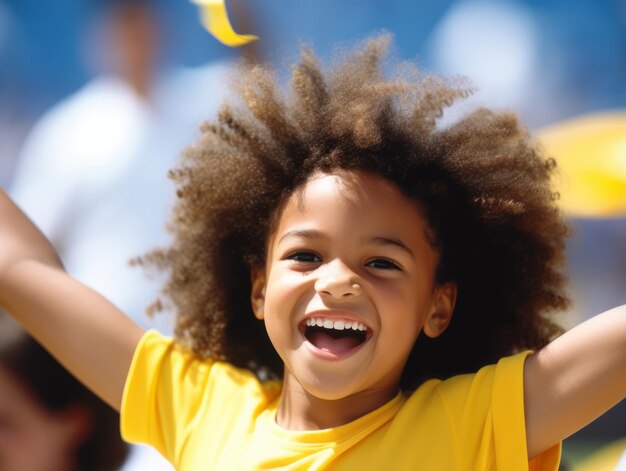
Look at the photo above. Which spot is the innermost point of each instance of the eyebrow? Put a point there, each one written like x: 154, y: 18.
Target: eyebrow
x: 315, y: 234
x: 303, y: 233
x: 386, y: 241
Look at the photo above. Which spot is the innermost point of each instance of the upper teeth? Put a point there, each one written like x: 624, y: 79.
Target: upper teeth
x: 331, y: 324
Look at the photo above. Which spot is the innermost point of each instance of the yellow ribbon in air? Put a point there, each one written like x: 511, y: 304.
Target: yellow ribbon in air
x: 215, y: 20
x: 591, y: 154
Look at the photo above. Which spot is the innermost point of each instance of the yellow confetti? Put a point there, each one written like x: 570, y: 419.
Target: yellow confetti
x: 591, y: 155
x: 215, y: 20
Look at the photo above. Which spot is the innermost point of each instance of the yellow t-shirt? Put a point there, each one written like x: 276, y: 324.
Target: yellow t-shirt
x: 209, y: 415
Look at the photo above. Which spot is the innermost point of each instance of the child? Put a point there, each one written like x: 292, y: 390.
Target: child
x: 48, y: 420
x: 337, y: 256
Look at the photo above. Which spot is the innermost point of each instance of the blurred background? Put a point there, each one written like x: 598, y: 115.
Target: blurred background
x: 98, y: 98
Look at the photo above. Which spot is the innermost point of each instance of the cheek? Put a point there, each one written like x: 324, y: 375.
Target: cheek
x: 402, y: 298
x: 285, y: 290
x: 286, y: 299
x: 402, y: 329
x: 403, y: 311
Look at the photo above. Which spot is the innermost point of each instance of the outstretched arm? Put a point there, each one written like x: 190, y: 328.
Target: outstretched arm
x: 85, y: 332
x: 575, y: 379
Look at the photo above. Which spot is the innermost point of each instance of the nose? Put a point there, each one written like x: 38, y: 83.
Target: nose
x: 338, y: 280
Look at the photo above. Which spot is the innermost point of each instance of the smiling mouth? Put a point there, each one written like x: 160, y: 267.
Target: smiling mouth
x: 332, y: 340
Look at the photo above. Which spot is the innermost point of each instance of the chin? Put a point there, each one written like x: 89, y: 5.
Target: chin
x: 328, y: 386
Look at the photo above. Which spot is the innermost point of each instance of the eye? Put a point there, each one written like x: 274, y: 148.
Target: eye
x: 382, y: 264
x: 304, y: 257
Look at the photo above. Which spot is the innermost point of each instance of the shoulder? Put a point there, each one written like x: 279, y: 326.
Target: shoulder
x: 161, y: 359
x: 168, y: 389
x: 480, y: 416
x: 88, y: 128
x: 490, y: 400
x: 98, y: 100
x: 507, y: 373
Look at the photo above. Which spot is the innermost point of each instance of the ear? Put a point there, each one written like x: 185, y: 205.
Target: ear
x: 257, y: 295
x: 440, y: 315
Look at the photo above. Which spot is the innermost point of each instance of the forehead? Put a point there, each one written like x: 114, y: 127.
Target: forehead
x: 352, y: 201
x: 356, y: 186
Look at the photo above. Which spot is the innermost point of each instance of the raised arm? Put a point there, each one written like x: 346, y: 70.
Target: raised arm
x: 575, y: 379
x: 90, y: 336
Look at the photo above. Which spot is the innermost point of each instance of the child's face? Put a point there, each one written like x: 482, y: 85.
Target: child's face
x: 349, y: 250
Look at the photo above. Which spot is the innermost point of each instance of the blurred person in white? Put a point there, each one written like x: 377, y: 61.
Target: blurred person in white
x: 93, y: 171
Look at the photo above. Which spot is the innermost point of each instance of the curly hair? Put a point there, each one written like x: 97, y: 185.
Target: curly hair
x: 484, y: 188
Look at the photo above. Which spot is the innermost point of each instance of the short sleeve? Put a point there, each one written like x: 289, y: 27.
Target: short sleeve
x: 159, y: 403
x: 509, y: 422
x: 487, y: 411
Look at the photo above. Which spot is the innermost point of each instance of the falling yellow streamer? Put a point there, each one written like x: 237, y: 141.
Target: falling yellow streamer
x: 215, y: 20
x: 591, y: 155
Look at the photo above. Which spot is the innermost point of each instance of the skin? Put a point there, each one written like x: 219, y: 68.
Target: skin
x: 567, y: 384
x: 133, y: 30
x: 52, y: 307
x: 575, y: 379
x: 340, y: 253
x: 32, y: 438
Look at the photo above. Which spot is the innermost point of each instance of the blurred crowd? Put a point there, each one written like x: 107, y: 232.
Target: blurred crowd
x: 97, y: 100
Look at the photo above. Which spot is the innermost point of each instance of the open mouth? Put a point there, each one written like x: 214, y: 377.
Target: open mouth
x: 335, y: 337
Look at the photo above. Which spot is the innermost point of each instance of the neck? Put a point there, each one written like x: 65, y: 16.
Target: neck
x: 300, y: 410
x: 140, y: 81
